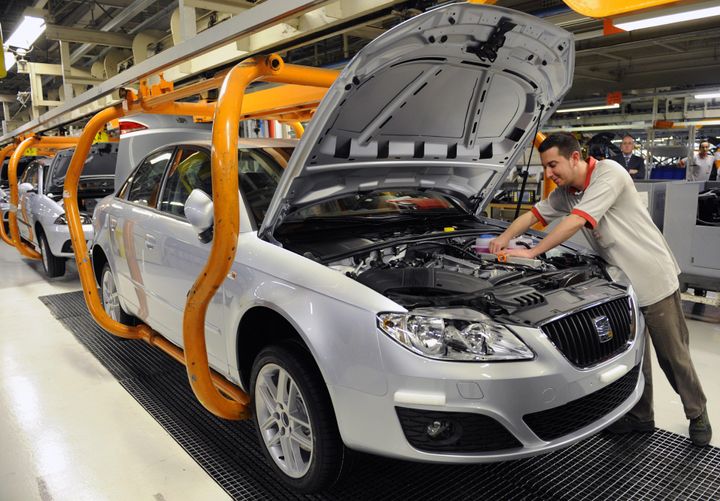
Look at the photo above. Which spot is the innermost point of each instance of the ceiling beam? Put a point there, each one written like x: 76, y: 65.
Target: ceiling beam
x: 81, y: 35
x: 227, y: 6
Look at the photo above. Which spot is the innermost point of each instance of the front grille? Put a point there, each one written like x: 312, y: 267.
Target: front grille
x: 559, y: 421
x: 578, y: 339
x: 454, y: 431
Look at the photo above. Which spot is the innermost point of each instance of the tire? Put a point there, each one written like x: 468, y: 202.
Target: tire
x: 111, y: 299
x: 53, y: 266
x: 320, y: 455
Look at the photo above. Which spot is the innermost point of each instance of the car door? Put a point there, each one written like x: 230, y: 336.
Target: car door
x: 182, y: 255
x: 27, y: 200
x: 136, y: 258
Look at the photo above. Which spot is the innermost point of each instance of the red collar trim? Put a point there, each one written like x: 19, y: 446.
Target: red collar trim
x: 591, y: 167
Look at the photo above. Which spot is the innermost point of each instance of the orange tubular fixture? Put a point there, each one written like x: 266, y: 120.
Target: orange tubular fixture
x: 30, y: 142
x: 82, y: 256
x: 7, y: 150
x: 298, y: 128
x: 217, y: 394
x: 224, y: 160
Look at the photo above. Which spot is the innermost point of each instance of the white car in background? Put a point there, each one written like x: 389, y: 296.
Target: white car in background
x: 359, y: 313
x: 41, y: 215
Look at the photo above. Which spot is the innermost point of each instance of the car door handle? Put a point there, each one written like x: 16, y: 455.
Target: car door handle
x: 150, y: 241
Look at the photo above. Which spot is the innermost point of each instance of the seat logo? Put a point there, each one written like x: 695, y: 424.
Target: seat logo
x: 603, y: 328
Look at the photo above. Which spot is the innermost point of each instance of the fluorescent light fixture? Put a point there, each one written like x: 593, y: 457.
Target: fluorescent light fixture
x: 709, y: 95
x: 659, y: 17
x: 590, y: 108
x: 24, y: 37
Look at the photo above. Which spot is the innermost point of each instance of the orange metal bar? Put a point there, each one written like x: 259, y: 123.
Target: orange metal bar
x: 226, y: 215
x: 298, y: 128
x: 72, y: 212
x: 548, y: 184
x: 30, y: 142
x: 607, y: 8
x: 84, y: 265
x: 4, y: 152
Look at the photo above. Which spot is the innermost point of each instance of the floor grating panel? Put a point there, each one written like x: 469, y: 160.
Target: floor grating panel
x: 662, y: 465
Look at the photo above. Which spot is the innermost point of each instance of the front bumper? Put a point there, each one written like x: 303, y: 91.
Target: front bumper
x: 533, y: 401
x: 58, y: 237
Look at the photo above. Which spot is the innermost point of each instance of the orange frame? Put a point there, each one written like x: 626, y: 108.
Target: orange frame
x: 218, y: 395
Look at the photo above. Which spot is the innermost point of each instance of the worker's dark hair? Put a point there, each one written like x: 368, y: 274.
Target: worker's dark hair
x: 627, y: 134
x: 565, y: 143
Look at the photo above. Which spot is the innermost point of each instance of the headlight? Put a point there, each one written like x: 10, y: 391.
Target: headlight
x: 84, y: 219
x: 444, y: 337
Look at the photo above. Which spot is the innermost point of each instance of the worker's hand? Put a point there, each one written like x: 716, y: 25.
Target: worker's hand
x: 681, y: 163
x: 632, y: 172
x: 498, y: 244
x: 526, y: 253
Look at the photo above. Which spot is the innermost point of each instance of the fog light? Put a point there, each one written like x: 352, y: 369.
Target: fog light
x: 440, y: 430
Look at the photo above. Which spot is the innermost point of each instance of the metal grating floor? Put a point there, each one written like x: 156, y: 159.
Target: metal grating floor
x: 658, y: 466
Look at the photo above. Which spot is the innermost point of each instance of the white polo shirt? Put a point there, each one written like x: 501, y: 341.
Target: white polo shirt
x: 619, y: 228
x: 701, y: 167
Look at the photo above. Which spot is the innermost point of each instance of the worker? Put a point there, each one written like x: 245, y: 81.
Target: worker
x: 634, y: 164
x: 600, y: 198
x: 702, y: 164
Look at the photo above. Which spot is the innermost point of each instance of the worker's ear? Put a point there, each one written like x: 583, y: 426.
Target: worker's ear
x: 575, y: 157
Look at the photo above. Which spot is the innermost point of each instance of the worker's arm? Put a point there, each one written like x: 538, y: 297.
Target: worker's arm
x: 563, y: 231
x: 518, y: 227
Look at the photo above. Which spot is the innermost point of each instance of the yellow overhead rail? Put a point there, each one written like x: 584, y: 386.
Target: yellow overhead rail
x: 30, y: 142
x: 218, y: 395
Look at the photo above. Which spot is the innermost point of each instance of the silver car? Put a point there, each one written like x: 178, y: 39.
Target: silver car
x: 361, y: 311
x: 40, y: 213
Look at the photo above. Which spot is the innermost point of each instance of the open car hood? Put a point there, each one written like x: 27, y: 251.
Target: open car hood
x: 445, y: 101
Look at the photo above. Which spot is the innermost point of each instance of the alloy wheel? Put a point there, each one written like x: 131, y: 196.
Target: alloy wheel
x: 284, y: 421
x: 111, y: 302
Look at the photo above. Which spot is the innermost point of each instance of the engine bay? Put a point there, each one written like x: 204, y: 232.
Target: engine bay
x: 449, y: 270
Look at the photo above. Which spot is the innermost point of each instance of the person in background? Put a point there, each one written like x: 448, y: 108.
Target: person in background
x: 702, y: 164
x: 634, y: 164
x: 716, y: 167
x: 597, y: 151
x: 600, y: 198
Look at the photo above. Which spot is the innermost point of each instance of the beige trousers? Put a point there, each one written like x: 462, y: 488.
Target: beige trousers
x: 668, y: 331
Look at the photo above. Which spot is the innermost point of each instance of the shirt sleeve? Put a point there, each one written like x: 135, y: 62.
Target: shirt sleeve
x: 551, y: 208
x: 595, y: 202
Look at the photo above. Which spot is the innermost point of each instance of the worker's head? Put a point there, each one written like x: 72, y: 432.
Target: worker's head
x: 628, y: 144
x: 704, y: 149
x: 561, y: 159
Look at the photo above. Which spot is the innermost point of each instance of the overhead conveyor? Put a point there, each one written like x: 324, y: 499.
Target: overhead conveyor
x: 218, y: 395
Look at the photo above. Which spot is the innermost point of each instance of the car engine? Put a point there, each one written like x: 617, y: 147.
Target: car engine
x: 451, y: 272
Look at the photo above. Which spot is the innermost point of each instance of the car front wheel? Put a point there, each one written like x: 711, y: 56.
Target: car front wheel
x: 52, y: 265
x: 294, y: 419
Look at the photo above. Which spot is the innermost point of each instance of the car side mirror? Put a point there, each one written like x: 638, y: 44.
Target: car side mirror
x: 26, y: 188
x: 199, y: 212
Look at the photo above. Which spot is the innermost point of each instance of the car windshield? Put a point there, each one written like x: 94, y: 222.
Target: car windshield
x: 380, y: 204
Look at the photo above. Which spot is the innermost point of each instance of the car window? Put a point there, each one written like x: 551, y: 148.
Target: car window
x: 144, y: 184
x: 259, y: 176
x: 190, y: 170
